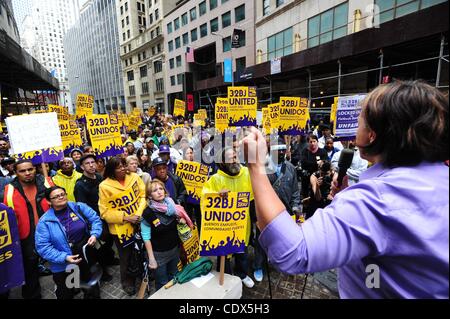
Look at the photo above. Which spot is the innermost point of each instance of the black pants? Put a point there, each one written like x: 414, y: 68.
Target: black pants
x: 124, y: 256
x: 193, y: 210
x: 63, y: 292
x: 32, y: 287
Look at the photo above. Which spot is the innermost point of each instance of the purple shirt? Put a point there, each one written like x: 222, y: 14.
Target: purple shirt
x: 397, y: 219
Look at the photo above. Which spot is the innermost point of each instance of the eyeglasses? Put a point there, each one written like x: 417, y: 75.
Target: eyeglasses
x: 62, y: 195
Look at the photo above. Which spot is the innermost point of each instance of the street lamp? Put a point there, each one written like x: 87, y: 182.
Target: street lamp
x: 232, y: 62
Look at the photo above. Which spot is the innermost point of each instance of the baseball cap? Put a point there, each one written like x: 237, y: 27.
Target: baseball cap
x: 86, y: 156
x: 158, y: 161
x: 8, y: 160
x: 164, y: 149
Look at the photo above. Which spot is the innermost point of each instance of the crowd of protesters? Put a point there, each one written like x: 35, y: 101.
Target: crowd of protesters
x: 72, y: 200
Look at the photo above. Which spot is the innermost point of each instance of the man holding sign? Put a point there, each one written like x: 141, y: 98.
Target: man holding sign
x: 234, y: 178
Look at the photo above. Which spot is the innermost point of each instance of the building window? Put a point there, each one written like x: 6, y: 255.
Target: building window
x: 226, y: 19
x: 240, y: 65
x: 392, y: 9
x: 156, y: 15
x: 170, y: 46
x: 203, y: 30
x: 239, y: 13
x: 212, y: 4
x: 184, y: 19
x: 202, y: 8
x: 169, y: 28
x: 172, y: 63
x: 157, y: 65
x: 266, y: 7
x: 176, y: 23
x: 280, y: 44
x: 150, y: 16
x: 226, y: 43
x: 144, y: 87
x: 186, y: 38
x: 132, y: 90
x: 128, y: 34
x: 193, y: 14
x: 130, y: 75
x: 327, y: 26
x: 279, y: 3
x: 180, y: 78
x: 214, y: 25
x: 159, y: 85
x: 194, y: 35
x: 143, y: 71
x: 178, y: 61
x: 172, y: 80
x: 177, y: 42
x: 126, y: 6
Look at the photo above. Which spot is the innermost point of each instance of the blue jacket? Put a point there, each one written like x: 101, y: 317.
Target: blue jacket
x: 51, y: 238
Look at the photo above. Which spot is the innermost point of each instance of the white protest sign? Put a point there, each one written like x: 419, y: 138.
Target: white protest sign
x: 33, y: 132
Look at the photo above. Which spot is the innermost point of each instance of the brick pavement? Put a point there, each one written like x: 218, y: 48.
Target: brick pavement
x: 283, y: 287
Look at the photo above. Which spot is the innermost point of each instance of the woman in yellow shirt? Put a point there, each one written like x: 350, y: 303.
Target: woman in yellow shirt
x: 121, y: 202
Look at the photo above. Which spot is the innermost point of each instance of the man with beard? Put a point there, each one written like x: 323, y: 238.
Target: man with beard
x: 233, y: 177
x: 26, y: 195
x: 173, y: 183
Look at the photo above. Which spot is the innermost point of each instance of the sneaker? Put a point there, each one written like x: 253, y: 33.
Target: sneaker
x: 248, y: 282
x: 258, y: 275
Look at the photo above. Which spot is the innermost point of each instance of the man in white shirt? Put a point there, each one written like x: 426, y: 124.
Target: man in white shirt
x: 326, y: 132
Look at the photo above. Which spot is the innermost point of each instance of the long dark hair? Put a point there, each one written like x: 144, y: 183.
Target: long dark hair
x: 410, y: 119
x: 112, y: 164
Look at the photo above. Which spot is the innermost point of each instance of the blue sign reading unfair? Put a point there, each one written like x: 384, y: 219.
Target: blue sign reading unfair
x: 11, y: 267
x: 228, y: 70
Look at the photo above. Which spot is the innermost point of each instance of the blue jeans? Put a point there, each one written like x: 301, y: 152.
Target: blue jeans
x: 165, y: 273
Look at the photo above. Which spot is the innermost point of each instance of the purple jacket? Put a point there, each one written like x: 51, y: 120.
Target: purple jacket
x: 396, y: 219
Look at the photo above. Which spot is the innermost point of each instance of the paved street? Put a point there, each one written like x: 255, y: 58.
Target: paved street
x: 283, y: 287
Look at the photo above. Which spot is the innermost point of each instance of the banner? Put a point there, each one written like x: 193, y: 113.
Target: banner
x: 347, y: 113
x: 70, y: 135
x: 267, y: 127
x: 61, y: 111
x: 152, y: 111
x: 33, y: 132
x: 228, y: 71
x: 221, y: 120
x: 274, y: 114
x: 194, y: 176
x: 179, y: 108
x: 104, y: 133
x: 189, y: 240
x: 224, y: 223
x: 243, y: 104
x: 127, y: 202
x: 134, y: 121
x: 294, y: 116
x: 11, y: 266
x: 85, y: 105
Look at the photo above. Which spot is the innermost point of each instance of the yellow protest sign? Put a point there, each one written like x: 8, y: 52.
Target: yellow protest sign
x: 104, y: 133
x: 189, y: 240
x: 152, y: 111
x: 266, y: 120
x: 70, y: 135
x: 134, y: 121
x: 334, y: 112
x: 242, y: 106
x: 274, y: 113
x: 85, y: 105
x: 61, y: 111
x: 199, y: 120
x: 179, y: 108
x: 221, y: 122
x: 294, y: 115
x: 127, y: 202
x: 224, y: 223
x: 194, y: 176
